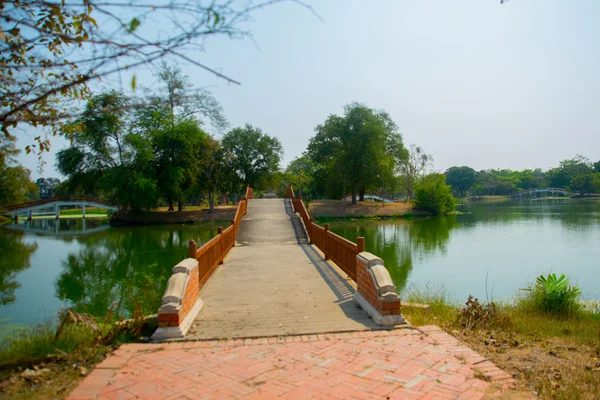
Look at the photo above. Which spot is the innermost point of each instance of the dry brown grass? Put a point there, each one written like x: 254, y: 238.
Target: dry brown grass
x: 552, y: 357
x: 366, y: 209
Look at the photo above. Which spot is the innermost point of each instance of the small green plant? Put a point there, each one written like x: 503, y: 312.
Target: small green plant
x: 552, y: 294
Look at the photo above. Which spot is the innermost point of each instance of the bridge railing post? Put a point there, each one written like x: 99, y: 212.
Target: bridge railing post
x: 326, y: 226
x: 309, y: 229
x: 220, y: 233
x: 360, y: 241
x: 193, y: 249
x: 234, y: 230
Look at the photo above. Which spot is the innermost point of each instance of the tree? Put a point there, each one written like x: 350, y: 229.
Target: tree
x: 585, y: 183
x: 360, y: 146
x: 413, y: 167
x: 433, y: 195
x: 15, y: 257
x: 47, y: 187
x: 300, y: 173
x: 211, y: 158
x: 52, y: 51
x: 15, y: 180
x: 460, y: 178
x: 254, y: 155
x: 184, y: 101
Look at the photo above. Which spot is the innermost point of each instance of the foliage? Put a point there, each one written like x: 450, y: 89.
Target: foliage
x: 461, y: 179
x: 552, y: 294
x: 47, y: 187
x: 15, y: 180
x: 300, y: 173
x: 254, y: 155
x: 576, y: 174
x: 433, y: 195
x: 413, y: 167
x: 359, y: 148
x: 52, y: 51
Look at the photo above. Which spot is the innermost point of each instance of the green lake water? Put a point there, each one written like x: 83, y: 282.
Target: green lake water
x: 92, y: 267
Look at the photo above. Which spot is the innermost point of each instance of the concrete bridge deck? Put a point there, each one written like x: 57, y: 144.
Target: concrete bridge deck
x: 274, y: 283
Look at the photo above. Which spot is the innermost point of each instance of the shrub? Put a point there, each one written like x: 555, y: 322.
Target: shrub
x: 433, y: 195
x: 478, y: 315
x: 552, y: 294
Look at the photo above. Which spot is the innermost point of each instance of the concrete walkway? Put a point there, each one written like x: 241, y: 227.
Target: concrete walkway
x: 397, y: 364
x: 274, y: 283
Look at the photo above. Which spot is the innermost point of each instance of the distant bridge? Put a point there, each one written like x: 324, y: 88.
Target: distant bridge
x: 52, y: 206
x: 372, y: 196
x: 546, y: 192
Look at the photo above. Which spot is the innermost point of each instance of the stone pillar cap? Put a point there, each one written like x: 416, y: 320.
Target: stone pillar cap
x: 383, y: 283
x: 369, y: 259
x: 185, y: 266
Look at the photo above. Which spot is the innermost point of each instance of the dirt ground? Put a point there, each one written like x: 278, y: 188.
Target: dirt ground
x: 366, y: 209
x: 222, y: 213
x: 551, y: 368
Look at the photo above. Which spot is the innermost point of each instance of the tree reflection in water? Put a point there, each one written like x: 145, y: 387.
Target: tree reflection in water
x: 126, y: 269
x: 14, y: 258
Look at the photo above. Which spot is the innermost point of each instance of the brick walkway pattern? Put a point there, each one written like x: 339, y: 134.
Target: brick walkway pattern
x: 398, y: 364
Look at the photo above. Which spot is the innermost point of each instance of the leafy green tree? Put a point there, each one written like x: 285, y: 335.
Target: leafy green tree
x: 460, y: 178
x: 300, y: 173
x: 254, y: 155
x: 357, y: 147
x: 597, y: 166
x: 433, y: 195
x: 47, y: 187
x: 585, y: 183
x: 15, y: 180
x: 211, y: 160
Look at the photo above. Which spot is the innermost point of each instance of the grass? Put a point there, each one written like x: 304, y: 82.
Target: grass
x: 88, y: 211
x: 555, y: 356
x: 66, y: 357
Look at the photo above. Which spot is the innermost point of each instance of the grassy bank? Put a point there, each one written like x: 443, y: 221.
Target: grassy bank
x: 554, y: 355
x: 49, y: 360
x: 335, y: 209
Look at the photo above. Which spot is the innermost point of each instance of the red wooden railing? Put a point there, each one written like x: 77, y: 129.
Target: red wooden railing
x: 213, y: 252
x: 340, y: 250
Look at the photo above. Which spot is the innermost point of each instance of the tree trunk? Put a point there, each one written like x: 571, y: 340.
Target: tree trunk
x: 179, y: 205
x: 211, y: 201
x: 170, y: 201
x: 362, y: 194
x: 354, y: 194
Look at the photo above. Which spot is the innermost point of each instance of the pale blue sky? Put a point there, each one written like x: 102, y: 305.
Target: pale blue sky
x: 473, y: 82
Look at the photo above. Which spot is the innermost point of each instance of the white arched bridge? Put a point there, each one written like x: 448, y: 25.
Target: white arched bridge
x: 51, y: 207
x: 545, y: 192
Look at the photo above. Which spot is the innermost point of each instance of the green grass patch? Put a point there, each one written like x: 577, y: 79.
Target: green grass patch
x: 87, y: 212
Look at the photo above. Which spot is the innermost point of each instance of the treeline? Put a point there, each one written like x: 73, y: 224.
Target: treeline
x: 144, y: 152
x: 362, y: 152
x: 577, y: 175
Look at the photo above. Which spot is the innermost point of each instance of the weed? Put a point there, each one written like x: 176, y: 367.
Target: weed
x: 552, y: 294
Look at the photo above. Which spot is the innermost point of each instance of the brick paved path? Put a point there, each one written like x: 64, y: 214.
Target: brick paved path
x: 398, y: 364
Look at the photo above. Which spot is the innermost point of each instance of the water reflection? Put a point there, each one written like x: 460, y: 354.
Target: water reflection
x: 398, y: 242
x: 125, y: 269
x: 513, y: 241
x: 14, y: 258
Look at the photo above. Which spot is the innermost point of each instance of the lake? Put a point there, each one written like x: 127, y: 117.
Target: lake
x: 510, y: 242
x: 49, y: 264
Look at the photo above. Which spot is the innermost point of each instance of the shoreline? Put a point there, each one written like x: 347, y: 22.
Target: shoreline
x: 133, y: 218
x: 338, y: 209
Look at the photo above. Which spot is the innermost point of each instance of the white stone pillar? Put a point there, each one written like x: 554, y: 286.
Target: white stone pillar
x: 83, y: 210
x: 57, y: 210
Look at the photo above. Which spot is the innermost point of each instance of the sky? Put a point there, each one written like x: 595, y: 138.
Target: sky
x: 473, y: 82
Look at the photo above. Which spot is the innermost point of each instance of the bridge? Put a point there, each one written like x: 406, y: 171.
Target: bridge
x: 51, y: 207
x: 545, y: 192
x: 277, y: 306
x: 375, y: 197
x: 281, y: 274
